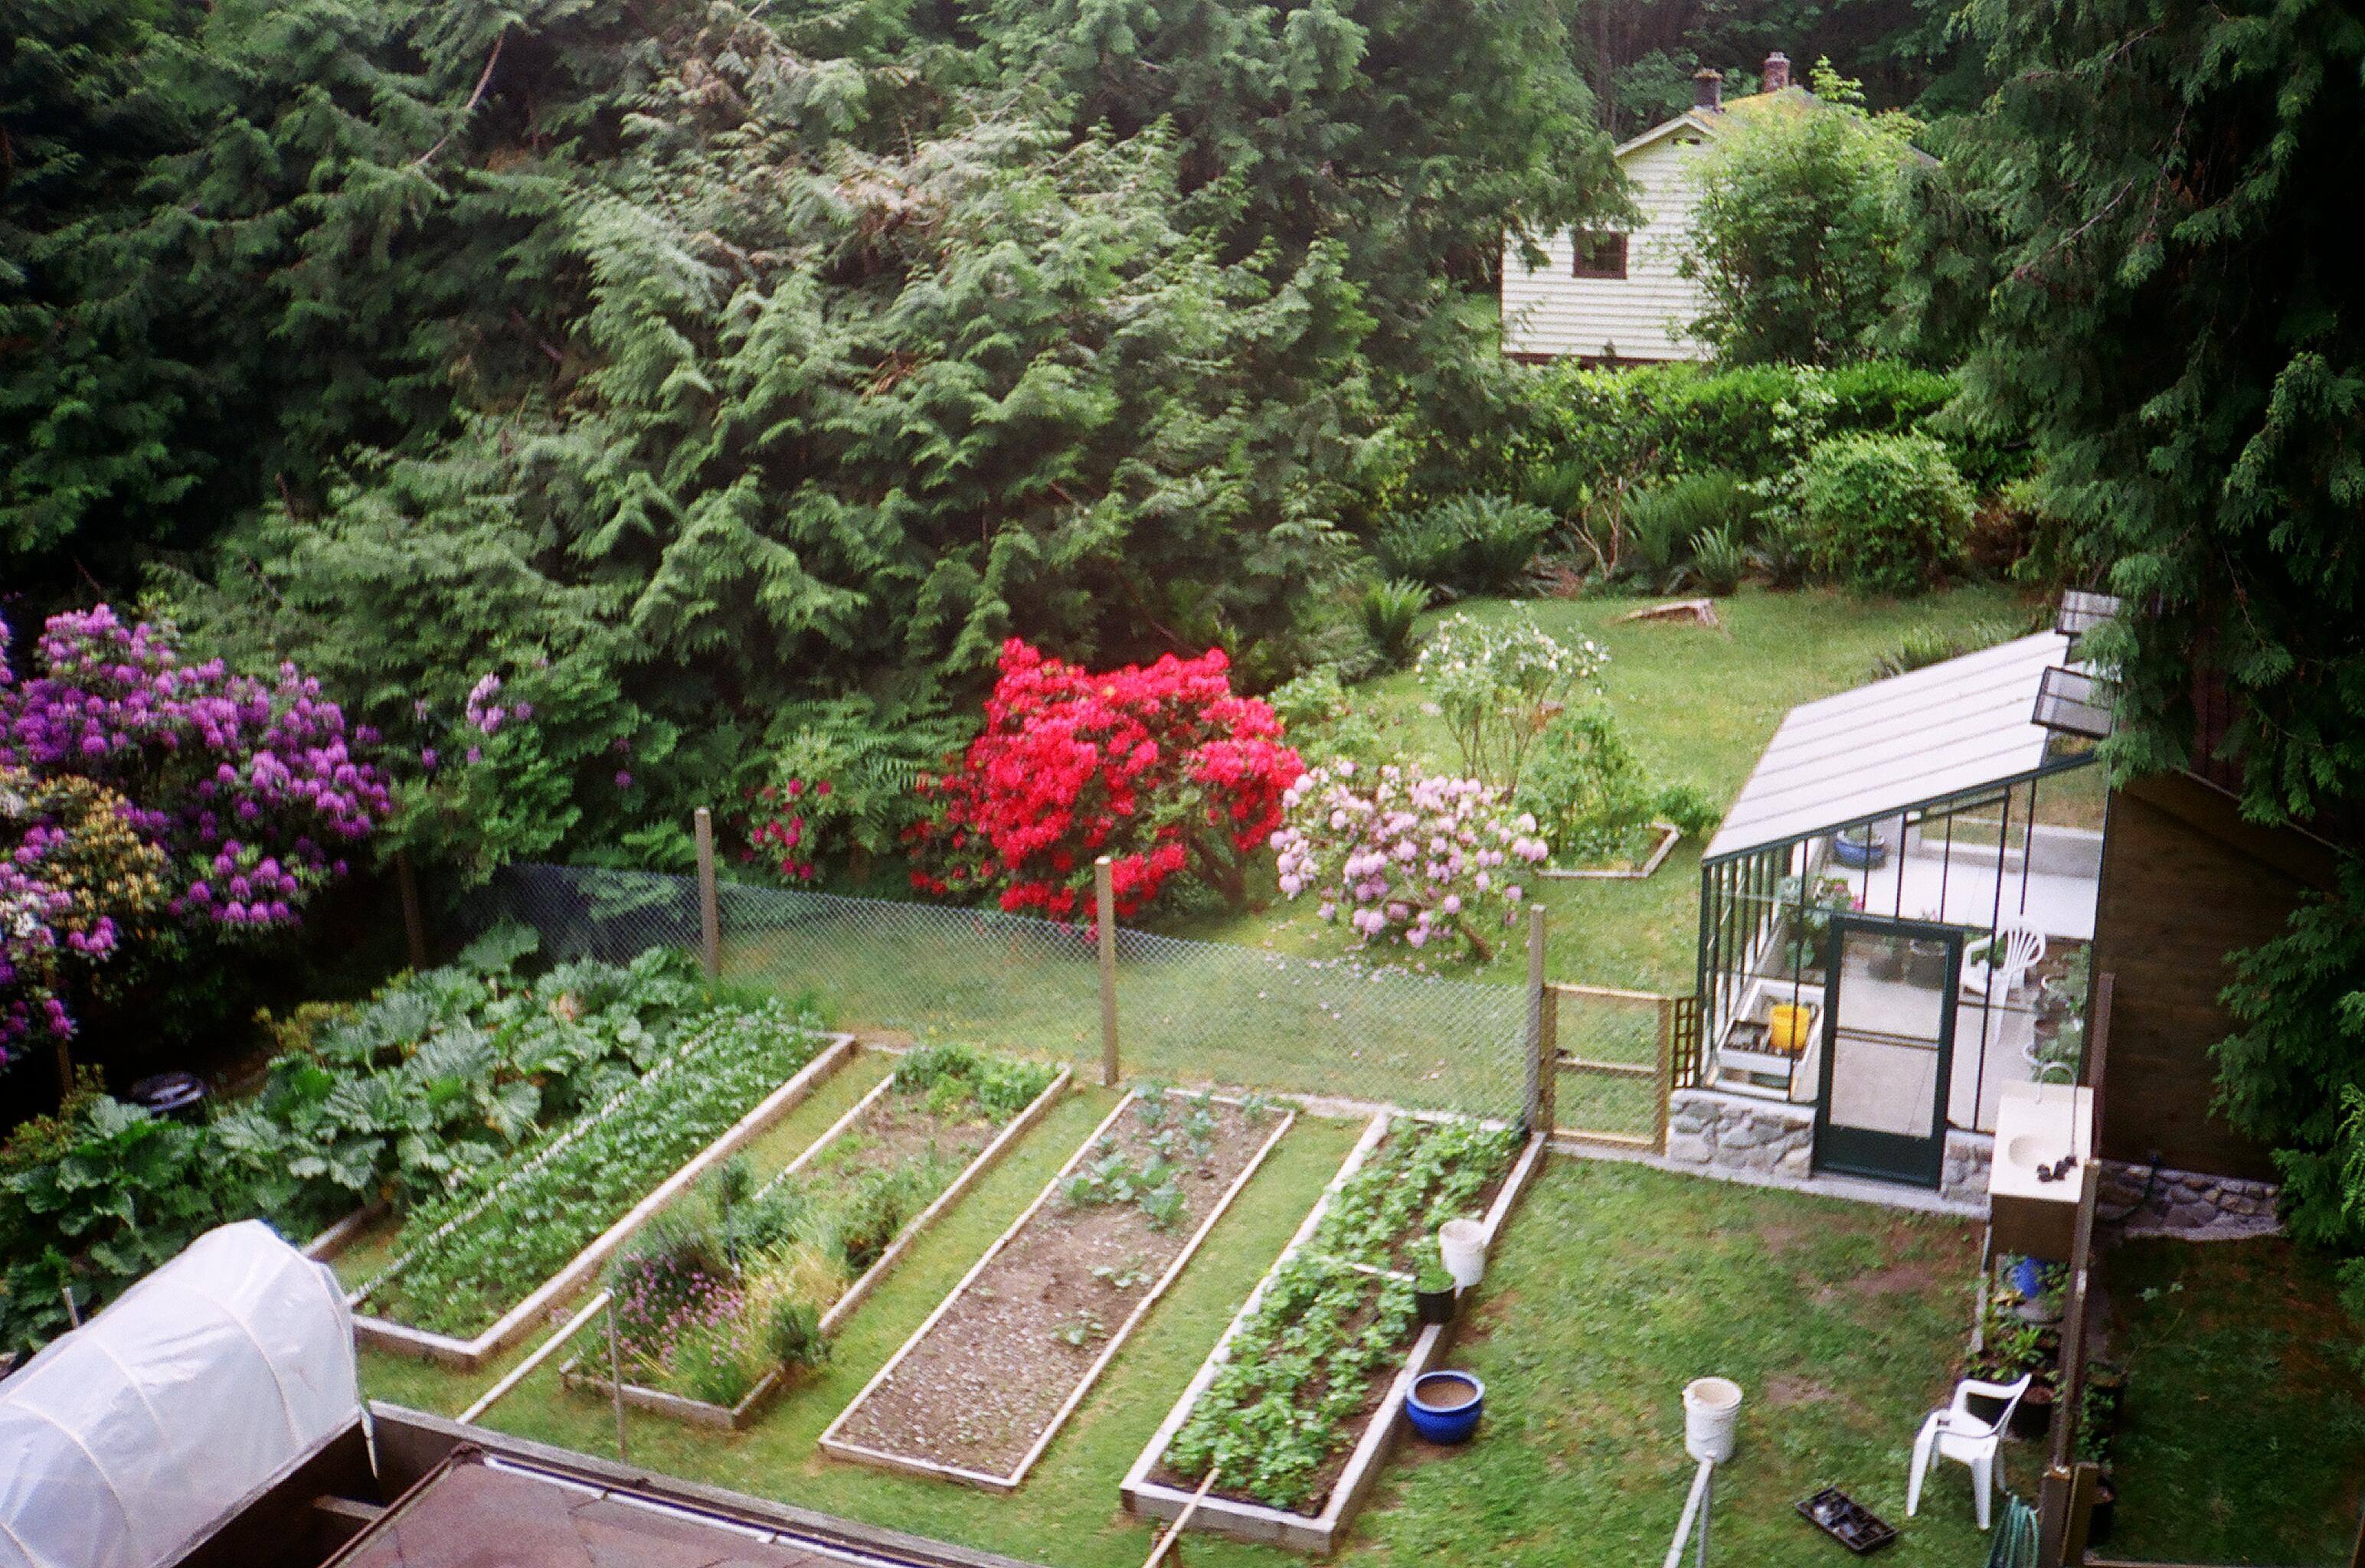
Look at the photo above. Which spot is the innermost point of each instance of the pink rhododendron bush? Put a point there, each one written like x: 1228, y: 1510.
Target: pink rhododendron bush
x: 1401, y: 857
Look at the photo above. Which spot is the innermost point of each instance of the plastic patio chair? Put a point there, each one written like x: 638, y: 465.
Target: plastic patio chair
x: 2024, y: 949
x: 1954, y: 1433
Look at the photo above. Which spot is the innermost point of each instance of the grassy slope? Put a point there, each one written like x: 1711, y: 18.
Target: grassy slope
x: 2243, y: 1435
x: 1698, y: 705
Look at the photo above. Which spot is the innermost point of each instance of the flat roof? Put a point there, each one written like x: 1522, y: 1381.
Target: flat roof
x: 1947, y: 729
x: 480, y: 1510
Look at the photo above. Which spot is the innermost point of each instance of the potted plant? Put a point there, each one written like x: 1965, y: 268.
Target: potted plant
x: 2098, y: 1419
x: 1889, y: 959
x: 1925, y: 956
x: 1433, y: 1287
x: 1859, y: 847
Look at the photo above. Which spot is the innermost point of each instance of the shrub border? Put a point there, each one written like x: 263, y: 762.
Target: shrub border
x: 1322, y: 1533
x: 514, y: 1325
x: 837, y: 1447
x: 738, y: 1418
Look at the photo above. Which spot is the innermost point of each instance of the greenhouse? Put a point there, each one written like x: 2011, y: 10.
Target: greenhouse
x: 1896, y: 913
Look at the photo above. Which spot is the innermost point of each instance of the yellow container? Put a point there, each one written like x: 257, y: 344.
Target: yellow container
x: 1786, y: 1031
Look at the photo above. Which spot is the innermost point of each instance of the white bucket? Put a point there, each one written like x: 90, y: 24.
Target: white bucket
x: 1462, y: 1243
x: 1711, y: 1411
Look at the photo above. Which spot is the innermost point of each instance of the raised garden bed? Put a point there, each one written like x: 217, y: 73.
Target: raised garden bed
x: 977, y: 1393
x: 1663, y: 842
x: 812, y: 1242
x: 1297, y: 1407
x: 467, y: 1280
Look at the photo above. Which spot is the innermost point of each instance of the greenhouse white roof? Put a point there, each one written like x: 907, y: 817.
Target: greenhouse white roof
x: 1946, y: 729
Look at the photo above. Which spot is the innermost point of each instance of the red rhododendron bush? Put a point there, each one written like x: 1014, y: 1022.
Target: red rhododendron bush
x: 1160, y: 766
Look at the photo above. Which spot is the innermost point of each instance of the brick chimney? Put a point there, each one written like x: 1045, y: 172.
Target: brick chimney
x: 1708, y: 90
x: 1777, y: 72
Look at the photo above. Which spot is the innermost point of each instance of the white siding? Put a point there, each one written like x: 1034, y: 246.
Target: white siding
x: 1645, y: 313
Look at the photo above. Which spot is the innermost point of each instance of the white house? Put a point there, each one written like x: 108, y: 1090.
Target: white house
x: 1612, y: 296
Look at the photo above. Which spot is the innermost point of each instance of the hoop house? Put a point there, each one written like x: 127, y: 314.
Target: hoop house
x: 125, y: 1439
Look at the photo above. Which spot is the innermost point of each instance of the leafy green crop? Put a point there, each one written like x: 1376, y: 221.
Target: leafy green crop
x: 1287, y: 1398
x: 511, y: 1226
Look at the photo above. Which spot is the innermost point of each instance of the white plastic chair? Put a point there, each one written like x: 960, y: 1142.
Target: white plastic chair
x: 2024, y: 949
x: 1954, y: 1433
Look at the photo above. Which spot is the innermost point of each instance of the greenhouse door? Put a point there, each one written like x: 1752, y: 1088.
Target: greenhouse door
x: 1888, y: 1049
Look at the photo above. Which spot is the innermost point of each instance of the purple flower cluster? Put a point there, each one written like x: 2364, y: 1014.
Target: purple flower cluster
x: 662, y: 1309
x: 252, y: 790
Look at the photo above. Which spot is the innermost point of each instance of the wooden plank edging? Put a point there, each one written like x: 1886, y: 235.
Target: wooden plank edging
x: 831, y: 1442
x: 470, y: 1355
x: 1257, y: 1522
x: 1668, y: 834
x: 738, y: 1418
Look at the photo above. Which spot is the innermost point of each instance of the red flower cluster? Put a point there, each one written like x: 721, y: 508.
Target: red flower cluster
x: 1143, y: 763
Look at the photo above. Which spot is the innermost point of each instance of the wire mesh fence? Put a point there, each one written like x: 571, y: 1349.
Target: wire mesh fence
x: 1188, y: 1011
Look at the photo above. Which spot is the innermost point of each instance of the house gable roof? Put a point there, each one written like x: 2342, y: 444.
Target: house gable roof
x: 1712, y: 123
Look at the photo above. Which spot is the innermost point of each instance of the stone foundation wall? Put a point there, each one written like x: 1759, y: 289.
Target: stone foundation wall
x: 2187, y: 1204
x: 1770, y: 1140
x: 1762, y: 1137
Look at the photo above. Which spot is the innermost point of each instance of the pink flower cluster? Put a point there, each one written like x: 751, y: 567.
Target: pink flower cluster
x: 778, y: 827
x: 250, y: 790
x: 1406, y: 857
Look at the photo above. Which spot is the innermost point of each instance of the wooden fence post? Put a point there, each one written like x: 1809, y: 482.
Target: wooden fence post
x: 1105, y: 917
x: 414, y: 925
x: 1665, y: 1083
x: 1543, y: 1029
x: 710, y: 913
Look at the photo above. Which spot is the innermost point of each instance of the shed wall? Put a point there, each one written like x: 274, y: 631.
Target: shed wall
x: 2185, y: 882
x: 1643, y: 316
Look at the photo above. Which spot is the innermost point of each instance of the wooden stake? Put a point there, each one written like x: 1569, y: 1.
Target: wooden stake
x: 616, y: 1370
x: 1542, y: 1028
x: 710, y: 915
x: 414, y: 925
x: 1664, y: 1084
x: 1104, y: 913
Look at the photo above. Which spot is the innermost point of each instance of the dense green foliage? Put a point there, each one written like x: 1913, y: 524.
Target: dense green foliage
x: 1799, y: 238
x: 1880, y: 513
x: 2175, y: 316
x: 725, y: 381
x: 1594, y: 800
x: 1471, y: 543
x: 91, y: 1198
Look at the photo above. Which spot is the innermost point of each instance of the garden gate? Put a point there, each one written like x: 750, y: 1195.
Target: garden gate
x: 1615, y: 1055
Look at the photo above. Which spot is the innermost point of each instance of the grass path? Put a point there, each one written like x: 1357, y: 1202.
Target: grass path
x: 2242, y: 1438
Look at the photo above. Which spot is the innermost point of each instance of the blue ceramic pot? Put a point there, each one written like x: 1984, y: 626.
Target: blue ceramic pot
x: 1444, y: 1406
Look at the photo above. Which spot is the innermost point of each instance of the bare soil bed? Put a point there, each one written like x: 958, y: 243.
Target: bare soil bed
x: 980, y: 1384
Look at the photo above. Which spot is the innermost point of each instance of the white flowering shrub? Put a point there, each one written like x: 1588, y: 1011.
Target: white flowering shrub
x: 1403, y: 857
x: 1497, y: 685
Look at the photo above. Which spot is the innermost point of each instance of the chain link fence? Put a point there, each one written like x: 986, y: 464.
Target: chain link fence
x: 1187, y: 1010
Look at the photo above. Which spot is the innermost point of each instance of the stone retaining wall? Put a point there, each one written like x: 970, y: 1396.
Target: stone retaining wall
x: 1762, y: 1137
x: 2187, y: 1204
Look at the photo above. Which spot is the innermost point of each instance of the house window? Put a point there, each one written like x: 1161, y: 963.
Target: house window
x: 1600, y: 254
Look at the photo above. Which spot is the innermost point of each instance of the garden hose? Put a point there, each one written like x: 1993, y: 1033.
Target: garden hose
x: 2015, y: 1535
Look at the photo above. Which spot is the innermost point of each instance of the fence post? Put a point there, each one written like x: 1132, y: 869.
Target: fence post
x: 1665, y: 1080
x: 414, y: 925
x: 1105, y: 917
x: 1544, y: 1021
x: 710, y: 914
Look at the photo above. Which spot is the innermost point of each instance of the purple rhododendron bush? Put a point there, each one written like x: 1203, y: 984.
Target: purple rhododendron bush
x: 152, y: 799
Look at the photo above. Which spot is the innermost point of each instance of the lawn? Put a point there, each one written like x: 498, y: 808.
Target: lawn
x: 1616, y: 1284
x: 2243, y: 1434
x: 1699, y: 705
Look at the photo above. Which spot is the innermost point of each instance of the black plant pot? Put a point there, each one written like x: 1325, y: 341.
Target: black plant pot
x: 2106, y: 1504
x: 1434, y: 1306
x: 2033, y: 1419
